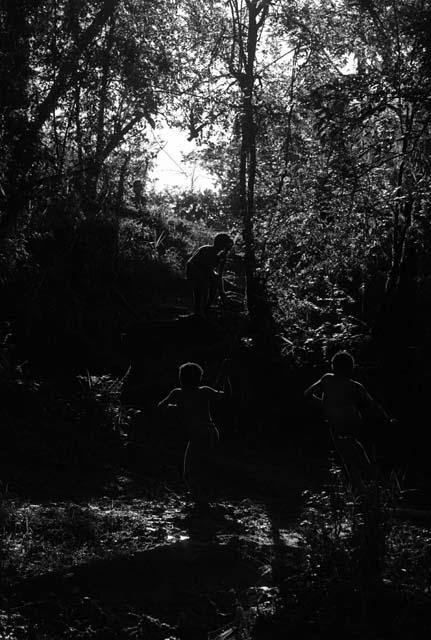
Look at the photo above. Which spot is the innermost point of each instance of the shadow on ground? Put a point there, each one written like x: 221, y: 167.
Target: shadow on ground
x: 185, y: 589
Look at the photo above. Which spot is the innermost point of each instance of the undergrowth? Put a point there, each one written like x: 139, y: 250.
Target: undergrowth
x: 364, y: 574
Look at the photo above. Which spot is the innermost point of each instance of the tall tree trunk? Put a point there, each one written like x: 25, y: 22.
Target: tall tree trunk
x: 122, y: 180
x: 396, y: 309
x: 402, y: 220
x: 96, y: 164
x: 247, y: 198
x: 400, y: 240
x: 79, y: 149
x: 257, y: 308
x: 17, y: 144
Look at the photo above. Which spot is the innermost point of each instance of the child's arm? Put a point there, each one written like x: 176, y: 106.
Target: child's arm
x: 310, y: 393
x: 227, y: 387
x: 222, y: 257
x: 224, y: 374
x: 217, y: 394
x: 367, y: 401
x: 171, y: 398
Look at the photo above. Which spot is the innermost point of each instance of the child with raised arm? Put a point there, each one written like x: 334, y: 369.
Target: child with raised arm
x: 204, y: 270
x: 194, y: 405
x: 344, y: 402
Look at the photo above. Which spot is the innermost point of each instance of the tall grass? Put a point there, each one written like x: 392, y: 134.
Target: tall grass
x: 364, y: 573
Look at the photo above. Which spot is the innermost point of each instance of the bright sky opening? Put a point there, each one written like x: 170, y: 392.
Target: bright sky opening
x: 171, y: 171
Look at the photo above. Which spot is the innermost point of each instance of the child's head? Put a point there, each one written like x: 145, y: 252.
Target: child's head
x: 343, y: 363
x: 223, y: 241
x: 190, y: 375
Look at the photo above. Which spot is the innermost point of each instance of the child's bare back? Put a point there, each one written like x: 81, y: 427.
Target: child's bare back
x: 205, y: 259
x: 194, y: 406
x: 344, y: 401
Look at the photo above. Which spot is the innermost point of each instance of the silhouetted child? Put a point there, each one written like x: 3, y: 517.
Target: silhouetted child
x: 205, y: 272
x: 344, y: 402
x: 193, y: 402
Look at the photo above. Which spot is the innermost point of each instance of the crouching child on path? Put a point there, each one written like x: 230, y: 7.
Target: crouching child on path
x: 204, y: 271
x: 194, y: 405
x: 344, y: 402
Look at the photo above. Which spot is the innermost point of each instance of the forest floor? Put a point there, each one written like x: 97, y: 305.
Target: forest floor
x: 116, y: 554
x: 120, y: 551
x: 111, y: 546
x: 93, y: 548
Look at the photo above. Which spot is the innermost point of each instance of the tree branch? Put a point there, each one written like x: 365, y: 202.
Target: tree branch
x: 117, y: 137
x: 70, y: 64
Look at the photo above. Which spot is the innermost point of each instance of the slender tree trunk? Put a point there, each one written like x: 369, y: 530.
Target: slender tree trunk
x: 402, y: 219
x: 122, y: 180
x: 399, y: 249
x: 257, y: 308
x: 247, y: 159
x: 396, y: 310
x: 247, y: 197
x: 96, y: 163
x: 17, y: 143
x: 79, y: 150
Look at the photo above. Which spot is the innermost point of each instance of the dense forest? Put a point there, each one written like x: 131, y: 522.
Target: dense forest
x: 314, y: 119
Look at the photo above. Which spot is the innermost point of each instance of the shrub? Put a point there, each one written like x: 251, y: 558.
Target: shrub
x: 359, y: 567
x: 346, y: 533
x: 99, y: 409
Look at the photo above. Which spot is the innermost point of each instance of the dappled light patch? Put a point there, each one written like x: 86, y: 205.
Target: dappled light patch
x: 254, y: 521
x: 175, y: 565
x: 161, y: 566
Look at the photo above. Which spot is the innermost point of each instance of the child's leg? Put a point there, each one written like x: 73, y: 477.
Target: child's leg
x: 200, y: 465
x: 197, y: 298
x: 191, y: 474
x: 355, y: 461
x: 213, y: 289
x: 205, y: 297
x: 199, y: 291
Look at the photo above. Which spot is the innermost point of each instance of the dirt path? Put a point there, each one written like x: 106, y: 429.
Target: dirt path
x: 156, y: 568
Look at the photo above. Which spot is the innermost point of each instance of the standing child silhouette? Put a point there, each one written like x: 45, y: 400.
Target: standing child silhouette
x: 194, y: 405
x: 344, y: 402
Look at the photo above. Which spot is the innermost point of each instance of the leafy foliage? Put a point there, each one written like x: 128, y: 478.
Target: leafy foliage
x: 100, y: 407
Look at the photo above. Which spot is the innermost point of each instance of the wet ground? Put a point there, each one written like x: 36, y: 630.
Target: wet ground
x: 123, y: 552
x: 140, y: 560
x: 112, y: 553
